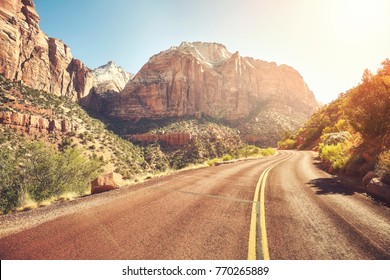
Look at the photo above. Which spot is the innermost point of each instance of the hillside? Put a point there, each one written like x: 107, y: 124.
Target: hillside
x: 352, y: 134
x: 37, y: 115
x: 36, y: 123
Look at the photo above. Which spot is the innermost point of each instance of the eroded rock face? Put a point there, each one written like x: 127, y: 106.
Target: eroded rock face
x: 28, y: 55
x: 169, y: 139
x: 206, y: 78
x: 34, y: 124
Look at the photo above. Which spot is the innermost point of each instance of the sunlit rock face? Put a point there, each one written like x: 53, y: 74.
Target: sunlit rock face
x: 27, y: 54
x: 262, y: 99
x: 207, y: 78
x: 110, y: 78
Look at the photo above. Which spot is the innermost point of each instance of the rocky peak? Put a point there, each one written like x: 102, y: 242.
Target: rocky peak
x: 212, y: 54
x: 110, y: 77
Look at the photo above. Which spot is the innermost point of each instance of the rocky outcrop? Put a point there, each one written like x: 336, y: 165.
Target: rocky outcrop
x: 28, y: 55
x: 368, y: 177
x: 169, y: 139
x: 35, y: 124
x: 106, y: 182
x: 206, y: 78
x: 379, y: 189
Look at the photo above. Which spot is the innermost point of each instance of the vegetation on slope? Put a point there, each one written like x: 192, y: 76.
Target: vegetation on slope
x: 352, y: 133
x: 210, y: 139
x: 34, y: 171
x: 38, y: 165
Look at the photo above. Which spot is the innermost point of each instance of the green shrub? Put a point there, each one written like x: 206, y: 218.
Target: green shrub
x: 267, y: 152
x: 11, y: 187
x: 50, y: 173
x: 336, y: 137
x: 287, y: 144
x: 212, y: 162
x: 248, y: 151
x: 383, y: 166
x: 335, y: 155
x: 227, y: 157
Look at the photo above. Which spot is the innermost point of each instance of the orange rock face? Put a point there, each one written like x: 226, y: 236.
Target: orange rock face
x: 170, y: 139
x: 205, y: 78
x: 28, y: 55
x: 34, y: 124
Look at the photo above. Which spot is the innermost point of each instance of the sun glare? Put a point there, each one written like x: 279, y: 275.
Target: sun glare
x: 360, y: 15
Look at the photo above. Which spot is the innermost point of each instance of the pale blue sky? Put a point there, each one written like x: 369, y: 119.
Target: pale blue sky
x: 329, y: 42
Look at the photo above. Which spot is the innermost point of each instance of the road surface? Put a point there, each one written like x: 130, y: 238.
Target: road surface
x: 279, y: 207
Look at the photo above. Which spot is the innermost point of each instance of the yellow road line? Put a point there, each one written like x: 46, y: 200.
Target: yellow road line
x: 260, y: 188
x: 252, y: 230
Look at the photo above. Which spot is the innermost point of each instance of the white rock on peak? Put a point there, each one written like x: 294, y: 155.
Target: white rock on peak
x: 110, y: 77
x: 210, y: 54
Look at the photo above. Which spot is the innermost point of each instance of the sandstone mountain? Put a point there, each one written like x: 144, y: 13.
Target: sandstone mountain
x: 260, y: 98
x: 29, y: 55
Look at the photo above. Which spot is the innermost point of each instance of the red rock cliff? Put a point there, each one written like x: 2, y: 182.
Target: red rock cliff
x: 205, y: 77
x: 27, y: 54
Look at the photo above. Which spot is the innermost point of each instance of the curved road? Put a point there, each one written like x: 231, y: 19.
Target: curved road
x: 210, y: 213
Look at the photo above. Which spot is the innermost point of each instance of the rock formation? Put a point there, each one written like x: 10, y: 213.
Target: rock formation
x: 28, y: 55
x: 379, y: 189
x: 259, y: 98
x: 170, y: 139
x: 32, y: 124
x: 206, y: 78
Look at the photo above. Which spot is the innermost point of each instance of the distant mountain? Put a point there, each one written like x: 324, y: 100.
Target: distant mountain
x: 110, y: 78
x: 261, y: 98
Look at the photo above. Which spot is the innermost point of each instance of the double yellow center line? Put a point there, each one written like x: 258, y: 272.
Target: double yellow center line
x: 258, y: 214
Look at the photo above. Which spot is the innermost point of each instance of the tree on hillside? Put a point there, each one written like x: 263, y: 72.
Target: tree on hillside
x: 368, y: 104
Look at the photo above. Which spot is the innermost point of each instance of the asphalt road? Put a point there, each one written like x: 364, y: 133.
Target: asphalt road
x: 207, y: 214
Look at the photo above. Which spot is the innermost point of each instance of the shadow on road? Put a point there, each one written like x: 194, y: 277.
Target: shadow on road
x: 338, y: 184
x: 330, y: 186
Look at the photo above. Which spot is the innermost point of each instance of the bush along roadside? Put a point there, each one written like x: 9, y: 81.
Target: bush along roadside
x: 248, y: 151
x: 38, y: 172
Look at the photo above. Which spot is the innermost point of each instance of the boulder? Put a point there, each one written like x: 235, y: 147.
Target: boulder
x: 368, y: 177
x: 378, y: 189
x: 106, y: 182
